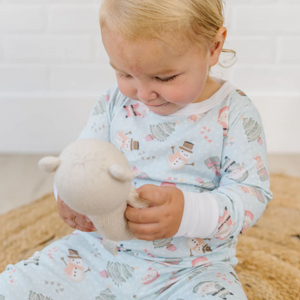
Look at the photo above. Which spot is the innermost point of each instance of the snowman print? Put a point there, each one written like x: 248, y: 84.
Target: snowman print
x: 178, y: 160
x: 74, y: 270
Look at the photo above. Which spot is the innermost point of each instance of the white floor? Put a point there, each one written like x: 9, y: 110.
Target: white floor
x: 21, y: 181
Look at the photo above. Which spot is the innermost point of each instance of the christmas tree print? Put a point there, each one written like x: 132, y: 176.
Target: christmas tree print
x: 100, y: 107
x: 161, y: 131
x: 171, y: 261
x: 35, y: 296
x: 205, y: 185
x: 195, y: 272
x: 252, y: 130
x: 164, y: 243
x: 106, y: 295
x: 118, y: 272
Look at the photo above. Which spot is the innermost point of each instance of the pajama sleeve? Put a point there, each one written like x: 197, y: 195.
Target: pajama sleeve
x: 98, y: 123
x: 244, y: 189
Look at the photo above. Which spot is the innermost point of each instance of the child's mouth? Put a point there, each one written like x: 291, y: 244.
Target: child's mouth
x: 157, y: 105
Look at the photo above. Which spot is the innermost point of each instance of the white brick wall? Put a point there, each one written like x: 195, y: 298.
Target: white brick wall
x: 22, y: 19
x: 41, y: 49
x: 53, y: 67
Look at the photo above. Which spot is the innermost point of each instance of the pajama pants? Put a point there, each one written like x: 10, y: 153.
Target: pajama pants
x: 77, y: 267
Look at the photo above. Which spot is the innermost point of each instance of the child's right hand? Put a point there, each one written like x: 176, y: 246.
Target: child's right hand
x: 74, y: 219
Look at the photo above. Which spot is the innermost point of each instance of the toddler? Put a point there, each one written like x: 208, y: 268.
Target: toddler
x: 197, y: 147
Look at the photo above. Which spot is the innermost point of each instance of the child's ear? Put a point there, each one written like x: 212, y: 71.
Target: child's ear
x: 217, y: 46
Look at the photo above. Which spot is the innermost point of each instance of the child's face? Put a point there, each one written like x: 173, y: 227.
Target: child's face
x: 162, y: 77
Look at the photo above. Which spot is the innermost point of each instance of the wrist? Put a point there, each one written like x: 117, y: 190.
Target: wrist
x: 180, y: 203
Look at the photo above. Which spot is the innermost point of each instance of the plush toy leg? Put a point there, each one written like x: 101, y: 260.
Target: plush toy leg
x: 110, y: 246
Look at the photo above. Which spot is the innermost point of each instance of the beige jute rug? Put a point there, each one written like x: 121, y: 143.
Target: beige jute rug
x: 268, y: 252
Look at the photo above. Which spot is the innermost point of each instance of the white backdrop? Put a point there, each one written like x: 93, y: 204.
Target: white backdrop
x: 53, y: 68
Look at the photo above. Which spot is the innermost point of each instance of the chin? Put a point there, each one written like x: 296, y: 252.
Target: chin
x: 162, y: 112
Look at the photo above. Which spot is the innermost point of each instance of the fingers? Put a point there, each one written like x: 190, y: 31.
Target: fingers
x: 143, y: 215
x: 146, y: 232
x: 74, y: 219
x: 156, y: 222
x: 156, y: 194
x: 75, y: 224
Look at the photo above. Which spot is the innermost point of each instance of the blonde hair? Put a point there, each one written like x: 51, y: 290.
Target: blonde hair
x: 196, y: 21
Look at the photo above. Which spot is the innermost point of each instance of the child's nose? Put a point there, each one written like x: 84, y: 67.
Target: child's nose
x: 146, y: 95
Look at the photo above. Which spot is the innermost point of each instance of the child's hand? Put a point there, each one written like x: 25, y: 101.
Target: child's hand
x: 160, y: 221
x: 74, y: 219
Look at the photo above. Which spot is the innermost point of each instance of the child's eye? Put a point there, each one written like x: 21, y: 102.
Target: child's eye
x: 167, y: 79
x: 123, y: 75
x: 156, y: 78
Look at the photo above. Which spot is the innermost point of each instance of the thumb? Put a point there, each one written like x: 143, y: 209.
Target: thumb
x: 157, y: 195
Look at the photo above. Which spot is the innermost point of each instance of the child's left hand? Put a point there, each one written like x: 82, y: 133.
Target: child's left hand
x: 162, y: 219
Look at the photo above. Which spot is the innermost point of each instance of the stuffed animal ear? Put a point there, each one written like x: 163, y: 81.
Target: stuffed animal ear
x: 118, y: 172
x: 49, y: 163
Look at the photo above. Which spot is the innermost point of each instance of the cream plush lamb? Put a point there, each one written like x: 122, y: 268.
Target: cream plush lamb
x: 94, y: 178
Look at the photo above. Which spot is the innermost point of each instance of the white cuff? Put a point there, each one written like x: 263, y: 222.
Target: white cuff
x: 55, y: 191
x: 200, y: 216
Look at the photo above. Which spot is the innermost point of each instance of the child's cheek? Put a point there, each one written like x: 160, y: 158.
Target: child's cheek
x: 126, y: 90
x: 182, y: 98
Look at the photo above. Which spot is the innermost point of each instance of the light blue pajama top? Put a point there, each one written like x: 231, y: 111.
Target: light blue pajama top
x: 216, y: 147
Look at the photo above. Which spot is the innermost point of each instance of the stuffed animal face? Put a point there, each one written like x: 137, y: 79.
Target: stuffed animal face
x: 91, y: 176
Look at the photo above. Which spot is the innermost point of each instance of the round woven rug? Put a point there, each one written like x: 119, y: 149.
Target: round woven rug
x: 268, y: 252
